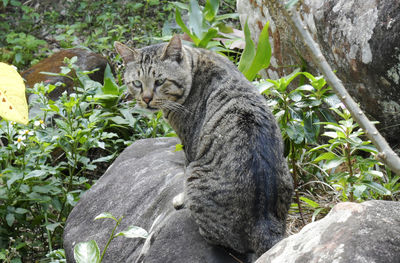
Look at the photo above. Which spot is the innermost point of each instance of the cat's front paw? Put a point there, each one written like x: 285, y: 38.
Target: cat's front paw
x: 179, y: 201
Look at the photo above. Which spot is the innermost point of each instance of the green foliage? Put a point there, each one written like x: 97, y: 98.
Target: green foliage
x: 48, y: 164
x: 252, y: 60
x: 21, y: 49
x: 29, y: 29
x: 299, y: 110
x: 361, y: 177
x: 89, y: 252
x: 317, y: 208
x: 291, y: 3
x: 204, y: 24
x: 345, y: 165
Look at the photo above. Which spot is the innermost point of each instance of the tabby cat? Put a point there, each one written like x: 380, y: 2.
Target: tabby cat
x: 237, y: 187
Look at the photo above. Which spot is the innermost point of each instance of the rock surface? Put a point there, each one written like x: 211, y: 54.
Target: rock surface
x: 87, y: 60
x: 359, y: 38
x: 140, y: 186
x: 359, y: 233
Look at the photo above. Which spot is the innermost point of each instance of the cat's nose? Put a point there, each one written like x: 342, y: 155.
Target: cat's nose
x: 147, y: 99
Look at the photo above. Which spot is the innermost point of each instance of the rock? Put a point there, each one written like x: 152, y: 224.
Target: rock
x: 87, y: 60
x: 140, y: 185
x: 359, y: 38
x: 359, y: 233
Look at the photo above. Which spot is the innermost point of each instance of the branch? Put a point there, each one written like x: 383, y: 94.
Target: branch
x: 386, y: 154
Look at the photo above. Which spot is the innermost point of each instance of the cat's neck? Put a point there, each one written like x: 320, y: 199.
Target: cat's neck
x: 209, y: 75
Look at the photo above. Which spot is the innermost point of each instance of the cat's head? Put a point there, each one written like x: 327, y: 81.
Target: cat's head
x: 158, y: 76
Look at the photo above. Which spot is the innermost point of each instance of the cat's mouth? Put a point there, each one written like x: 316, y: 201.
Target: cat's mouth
x: 148, y: 107
x: 151, y: 108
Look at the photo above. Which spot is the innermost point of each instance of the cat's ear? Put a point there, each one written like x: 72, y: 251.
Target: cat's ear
x: 125, y: 52
x: 173, y: 50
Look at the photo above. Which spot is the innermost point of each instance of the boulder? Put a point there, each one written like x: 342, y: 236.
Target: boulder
x: 87, y: 60
x: 359, y: 38
x: 140, y: 185
x: 359, y: 233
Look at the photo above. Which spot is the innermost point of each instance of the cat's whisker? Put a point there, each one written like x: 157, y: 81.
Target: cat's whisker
x: 172, y: 106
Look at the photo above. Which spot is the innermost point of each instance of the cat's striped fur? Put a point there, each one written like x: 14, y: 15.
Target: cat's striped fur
x: 238, y: 188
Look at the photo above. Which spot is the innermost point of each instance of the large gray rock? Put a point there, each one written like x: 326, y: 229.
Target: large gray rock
x: 351, y: 232
x: 140, y: 186
x: 359, y: 38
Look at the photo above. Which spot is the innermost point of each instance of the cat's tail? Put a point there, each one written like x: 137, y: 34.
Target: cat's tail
x: 266, y: 233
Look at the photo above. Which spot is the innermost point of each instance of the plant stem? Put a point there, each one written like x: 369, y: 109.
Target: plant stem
x: 350, y: 167
x: 48, y: 232
x: 110, y: 239
x: 295, y: 182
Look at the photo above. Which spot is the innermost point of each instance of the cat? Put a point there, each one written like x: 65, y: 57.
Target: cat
x: 238, y: 187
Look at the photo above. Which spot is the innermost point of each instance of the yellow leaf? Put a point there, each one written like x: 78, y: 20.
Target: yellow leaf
x: 13, y: 106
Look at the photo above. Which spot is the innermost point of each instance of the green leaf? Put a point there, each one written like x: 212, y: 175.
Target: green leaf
x: 133, y: 232
x: 359, y: 189
x: 291, y: 3
x: 248, y: 52
x: 181, y: 5
x: 104, y: 159
x: 153, y: 2
x: 184, y: 28
x: 326, y: 156
x: 311, y: 128
x: 13, y: 179
x: 295, y: 96
x: 305, y: 87
x: 16, y: 260
x: 227, y: 16
x: 50, y: 73
x: 62, y: 124
x: 21, y: 211
x: 316, y: 212
x: 211, y: 33
x: 368, y: 148
x: 333, y: 135
x: 87, y: 252
x: 52, y: 227
x: 309, y: 202
x: 196, y: 18
x: 45, y: 189
x: 333, y: 163
x: 38, y: 198
x: 263, y: 54
x: 110, y: 87
x: 10, y: 218
x: 376, y: 174
x: 108, y: 73
x: 264, y: 87
x: 377, y: 188
x: 5, y: 3
x: 105, y: 215
x: 178, y: 147
x: 211, y: 9
x: 71, y: 200
x: 35, y: 174
x: 295, y: 132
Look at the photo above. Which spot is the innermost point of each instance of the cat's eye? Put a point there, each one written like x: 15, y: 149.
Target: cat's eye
x: 159, y: 82
x: 137, y: 83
